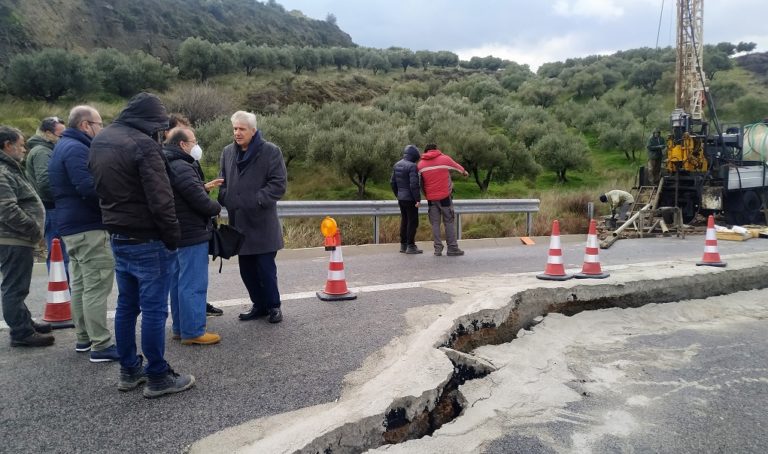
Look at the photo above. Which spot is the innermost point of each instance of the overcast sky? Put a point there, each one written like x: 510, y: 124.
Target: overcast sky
x: 533, y: 31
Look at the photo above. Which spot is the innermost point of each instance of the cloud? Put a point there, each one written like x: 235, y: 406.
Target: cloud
x: 603, y: 9
x: 533, y: 54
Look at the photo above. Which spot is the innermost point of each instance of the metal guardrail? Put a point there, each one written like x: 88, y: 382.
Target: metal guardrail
x: 378, y: 208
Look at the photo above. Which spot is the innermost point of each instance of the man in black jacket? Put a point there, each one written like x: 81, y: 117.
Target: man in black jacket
x: 407, y: 188
x: 194, y: 209
x: 254, y: 180
x: 137, y: 208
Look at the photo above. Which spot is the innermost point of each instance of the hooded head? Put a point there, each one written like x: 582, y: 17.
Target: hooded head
x: 603, y: 198
x: 411, y: 153
x: 146, y: 113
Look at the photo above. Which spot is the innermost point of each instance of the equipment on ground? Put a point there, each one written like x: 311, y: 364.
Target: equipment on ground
x: 707, y: 171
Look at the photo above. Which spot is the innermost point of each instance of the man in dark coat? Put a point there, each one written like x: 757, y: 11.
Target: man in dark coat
x: 194, y: 209
x: 255, y: 178
x: 406, y: 187
x: 655, y: 148
x: 136, y: 199
x: 79, y: 221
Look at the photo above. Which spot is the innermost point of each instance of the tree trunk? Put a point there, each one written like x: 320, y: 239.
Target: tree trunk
x: 487, y: 181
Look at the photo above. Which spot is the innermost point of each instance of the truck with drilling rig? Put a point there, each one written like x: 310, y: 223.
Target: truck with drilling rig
x: 710, y: 168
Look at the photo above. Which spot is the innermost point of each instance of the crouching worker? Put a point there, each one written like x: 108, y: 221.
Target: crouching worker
x: 620, y: 201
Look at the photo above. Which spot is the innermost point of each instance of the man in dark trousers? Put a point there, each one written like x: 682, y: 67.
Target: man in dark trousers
x: 137, y: 208
x: 655, y: 149
x: 255, y: 178
x: 406, y: 187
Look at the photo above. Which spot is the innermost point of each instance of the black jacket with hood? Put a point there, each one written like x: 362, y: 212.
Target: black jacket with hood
x: 194, y: 208
x: 405, y: 177
x: 130, y: 173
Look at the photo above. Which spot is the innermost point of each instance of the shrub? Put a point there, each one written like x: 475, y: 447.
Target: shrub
x: 199, y: 102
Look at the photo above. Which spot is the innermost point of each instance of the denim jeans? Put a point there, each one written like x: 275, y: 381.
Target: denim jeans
x: 143, y: 280
x: 189, y: 290
x: 51, y: 232
x: 16, y: 267
x: 259, y: 274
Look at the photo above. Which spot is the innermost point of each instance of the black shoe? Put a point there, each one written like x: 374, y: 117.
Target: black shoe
x: 42, y: 327
x: 253, y: 314
x: 454, y: 253
x: 168, y: 383
x: 132, y: 378
x: 403, y: 247
x: 275, y: 315
x: 412, y: 249
x: 211, y: 311
x: 33, y: 340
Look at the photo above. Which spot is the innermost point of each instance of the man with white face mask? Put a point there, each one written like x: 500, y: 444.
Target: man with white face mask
x: 194, y: 209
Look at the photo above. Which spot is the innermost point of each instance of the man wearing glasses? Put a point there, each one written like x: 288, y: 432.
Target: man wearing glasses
x: 40, y: 151
x: 79, y: 222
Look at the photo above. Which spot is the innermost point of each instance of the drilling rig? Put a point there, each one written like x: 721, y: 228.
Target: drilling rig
x: 705, y: 173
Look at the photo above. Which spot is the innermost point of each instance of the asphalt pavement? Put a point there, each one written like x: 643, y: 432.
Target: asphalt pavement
x: 55, y: 400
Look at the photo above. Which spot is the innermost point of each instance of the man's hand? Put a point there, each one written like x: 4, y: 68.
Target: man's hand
x: 418, y: 204
x: 214, y: 184
x: 465, y: 173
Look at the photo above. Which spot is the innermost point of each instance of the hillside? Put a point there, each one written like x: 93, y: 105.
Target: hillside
x: 154, y: 26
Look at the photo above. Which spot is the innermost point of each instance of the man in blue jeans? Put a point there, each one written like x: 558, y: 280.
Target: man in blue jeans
x: 137, y: 209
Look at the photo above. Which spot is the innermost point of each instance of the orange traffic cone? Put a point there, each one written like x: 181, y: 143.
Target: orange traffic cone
x: 711, y: 256
x: 336, y: 286
x: 57, y: 304
x: 555, y: 271
x: 591, y: 268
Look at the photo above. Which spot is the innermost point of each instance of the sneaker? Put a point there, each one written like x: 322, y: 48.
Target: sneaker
x: 403, y: 247
x: 205, y: 339
x: 42, y: 327
x: 211, y: 311
x: 454, y: 253
x: 33, y: 340
x: 412, y: 249
x: 168, y: 383
x: 438, y: 251
x: 83, y: 347
x: 106, y: 355
x: 132, y: 378
x: 275, y: 315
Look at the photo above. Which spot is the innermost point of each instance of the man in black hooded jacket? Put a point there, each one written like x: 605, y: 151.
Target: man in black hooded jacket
x: 407, y: 188
x: 137, y: 207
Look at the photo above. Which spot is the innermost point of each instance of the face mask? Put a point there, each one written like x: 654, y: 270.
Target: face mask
x: 196, y: 152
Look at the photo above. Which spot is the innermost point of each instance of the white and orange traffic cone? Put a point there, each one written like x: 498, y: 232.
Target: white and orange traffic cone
x: 58, y: 311
x: 555, y: 271
x: 336, y: 285
x: 591, y: 268
x: 711, y: 256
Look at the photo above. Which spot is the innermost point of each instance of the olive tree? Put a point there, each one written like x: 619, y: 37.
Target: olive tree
x: 560, y: 152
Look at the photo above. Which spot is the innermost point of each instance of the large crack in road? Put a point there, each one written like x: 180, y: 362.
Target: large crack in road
x: 419, y: 382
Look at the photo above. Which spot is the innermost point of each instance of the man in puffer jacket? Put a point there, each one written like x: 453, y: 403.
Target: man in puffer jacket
x: 434, y: 168
x: 21, y: 228
x: 194, y: 209
x: 407, y: 189
x: 136, y: 199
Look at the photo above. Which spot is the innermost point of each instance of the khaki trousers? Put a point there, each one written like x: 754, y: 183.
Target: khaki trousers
x: 92, y: 268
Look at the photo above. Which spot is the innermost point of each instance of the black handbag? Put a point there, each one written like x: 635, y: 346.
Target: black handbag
x: 225, y: 242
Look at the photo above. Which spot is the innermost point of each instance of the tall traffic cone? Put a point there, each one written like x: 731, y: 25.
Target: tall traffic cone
x: 57, y: 303
x: 555, y: 271
x: 711, y: 256
x: 591, y: 268
x: 336, y: 285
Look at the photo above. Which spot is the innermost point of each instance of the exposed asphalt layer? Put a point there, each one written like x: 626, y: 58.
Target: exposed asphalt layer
x: 54, y: 400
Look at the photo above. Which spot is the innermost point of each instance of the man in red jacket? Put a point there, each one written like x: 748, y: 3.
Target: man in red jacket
x: 434, y: 169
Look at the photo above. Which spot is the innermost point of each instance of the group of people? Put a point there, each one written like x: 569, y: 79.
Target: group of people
x: 429, y: 172
x: 129, y: 204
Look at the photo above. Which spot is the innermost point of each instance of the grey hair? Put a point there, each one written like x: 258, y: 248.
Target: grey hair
x: 79, y: 114
x: 242, y: 116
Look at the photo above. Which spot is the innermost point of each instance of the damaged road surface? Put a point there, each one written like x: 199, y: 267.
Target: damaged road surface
x: 515, y: 364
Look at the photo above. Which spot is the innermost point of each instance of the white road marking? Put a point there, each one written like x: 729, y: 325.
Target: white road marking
x: 305, y: 295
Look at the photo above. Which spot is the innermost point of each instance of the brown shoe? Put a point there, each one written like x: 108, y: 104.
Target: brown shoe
x: 205, y: 339
x: 33, y: 340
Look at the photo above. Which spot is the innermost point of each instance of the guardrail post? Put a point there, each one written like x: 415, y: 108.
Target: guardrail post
x: 458, y: 226
x: 375, y: 230
x: 528, y: 223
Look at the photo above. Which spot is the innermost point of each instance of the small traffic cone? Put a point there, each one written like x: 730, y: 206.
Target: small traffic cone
x: 591, y: 268
x: 711, y: 256
x: 555, y: 271
x: 57, y: 303
x: 336, y: 286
